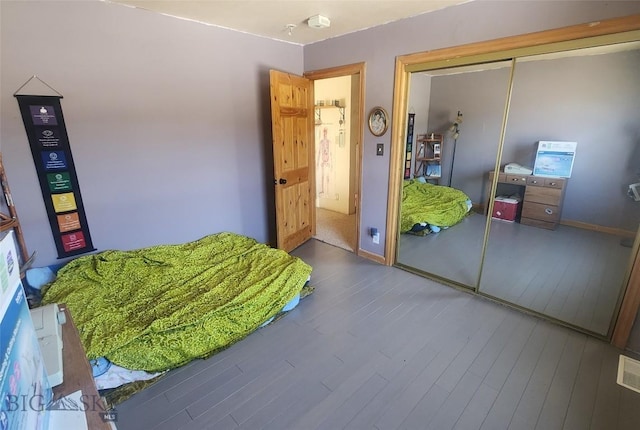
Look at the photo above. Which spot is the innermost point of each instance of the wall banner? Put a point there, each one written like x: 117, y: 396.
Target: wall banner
x: 409, y: 147
x: 47, y: 134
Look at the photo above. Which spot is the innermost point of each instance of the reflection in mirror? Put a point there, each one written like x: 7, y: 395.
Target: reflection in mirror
x: 561, y: 240
x: 456, y: 130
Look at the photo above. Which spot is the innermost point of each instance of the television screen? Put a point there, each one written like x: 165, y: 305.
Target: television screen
x: 554, y: 159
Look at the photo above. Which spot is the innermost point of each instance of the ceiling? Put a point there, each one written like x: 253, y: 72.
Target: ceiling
x: 269, y: 18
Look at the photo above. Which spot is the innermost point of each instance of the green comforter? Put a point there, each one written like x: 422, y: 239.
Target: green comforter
x: 157, y: 308
x: 434, y: 204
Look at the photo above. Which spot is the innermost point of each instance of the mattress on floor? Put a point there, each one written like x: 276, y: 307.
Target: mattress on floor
x: 158, y: 308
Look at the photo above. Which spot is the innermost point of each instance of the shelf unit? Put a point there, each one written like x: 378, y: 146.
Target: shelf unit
x: 428, y: 159
x: 10, y: 221
x: 319, y: 108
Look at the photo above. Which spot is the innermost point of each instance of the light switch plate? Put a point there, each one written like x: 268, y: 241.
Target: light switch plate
x: 380, y: 149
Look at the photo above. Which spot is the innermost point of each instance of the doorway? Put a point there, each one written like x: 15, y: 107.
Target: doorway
x: 337, y: 155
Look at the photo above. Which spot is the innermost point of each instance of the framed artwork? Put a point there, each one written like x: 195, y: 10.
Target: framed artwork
x: 555, y: 159
x: 378, y: 121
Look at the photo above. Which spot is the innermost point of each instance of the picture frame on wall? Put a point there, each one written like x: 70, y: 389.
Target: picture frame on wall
x: 378, y: 121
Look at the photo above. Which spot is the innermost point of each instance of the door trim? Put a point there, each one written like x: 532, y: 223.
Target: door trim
x: 599, y: 32
x: 336, y: 72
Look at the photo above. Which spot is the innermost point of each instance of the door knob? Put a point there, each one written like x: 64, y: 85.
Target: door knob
x: 283, y: 181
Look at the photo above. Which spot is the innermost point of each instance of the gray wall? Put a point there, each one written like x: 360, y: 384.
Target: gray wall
x: 419, y: 97
x: 480, y: 96
x: 593, y: 100
x: 168, y: 121
x: 467, y: 23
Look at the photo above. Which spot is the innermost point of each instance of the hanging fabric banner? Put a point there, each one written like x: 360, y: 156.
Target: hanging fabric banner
x: 407, y: 159
x: 47, y: 134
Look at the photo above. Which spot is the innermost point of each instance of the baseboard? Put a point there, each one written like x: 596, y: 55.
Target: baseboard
x: 601, y: 228
x: 371, y: 256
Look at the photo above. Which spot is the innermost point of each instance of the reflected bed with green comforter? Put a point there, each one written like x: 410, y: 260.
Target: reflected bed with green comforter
x: 158, y: 308
x: 427, y: 206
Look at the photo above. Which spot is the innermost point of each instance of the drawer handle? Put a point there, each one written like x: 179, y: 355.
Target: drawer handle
x: 548, y: 211
x: 553, y: 184
x: 534, y: 182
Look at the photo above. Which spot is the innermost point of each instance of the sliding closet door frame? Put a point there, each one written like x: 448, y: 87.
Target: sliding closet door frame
x: 598, y: 33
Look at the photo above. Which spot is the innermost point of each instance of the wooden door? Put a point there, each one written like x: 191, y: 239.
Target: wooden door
x: 292, y: 116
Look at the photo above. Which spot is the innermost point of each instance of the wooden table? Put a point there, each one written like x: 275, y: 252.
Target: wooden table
x: 78, y: 375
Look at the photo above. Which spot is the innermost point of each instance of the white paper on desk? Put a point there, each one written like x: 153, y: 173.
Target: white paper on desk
x: 68, y: 413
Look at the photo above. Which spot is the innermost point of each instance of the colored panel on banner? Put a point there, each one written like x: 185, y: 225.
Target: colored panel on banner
x: 63, y: 202
x: 49, y: 138
x: 54, y: 160
x: 43, y: 115
x: 59, y: 181
x: 73, y: 241
x: 68, y: 222
x: 49, y: 143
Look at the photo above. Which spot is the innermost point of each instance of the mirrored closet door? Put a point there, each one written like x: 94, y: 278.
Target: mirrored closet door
x: 463, y: 108
x: 563, y: 225
x: 544, y: 144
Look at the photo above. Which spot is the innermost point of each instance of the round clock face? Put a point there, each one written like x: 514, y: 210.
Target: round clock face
x: 378, y: 121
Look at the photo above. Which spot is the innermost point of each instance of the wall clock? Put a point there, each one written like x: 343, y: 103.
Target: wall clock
x: 378, y: 121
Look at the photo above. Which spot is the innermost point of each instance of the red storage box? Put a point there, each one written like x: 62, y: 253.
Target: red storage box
x: 505, y: 208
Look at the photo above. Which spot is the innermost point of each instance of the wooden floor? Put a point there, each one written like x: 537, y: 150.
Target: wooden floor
x: 376, y: 347
x: 570, y: 274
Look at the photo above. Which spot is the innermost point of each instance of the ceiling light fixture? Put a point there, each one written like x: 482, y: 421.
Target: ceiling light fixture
x: 319, y: 21
x: 289, y: 28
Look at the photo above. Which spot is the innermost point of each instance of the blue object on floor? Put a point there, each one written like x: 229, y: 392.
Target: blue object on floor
x: 38, y: 277
x: 99, y: 366
x: 290, y: 305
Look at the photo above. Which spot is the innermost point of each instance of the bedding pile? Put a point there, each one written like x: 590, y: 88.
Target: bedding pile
x: 429, y: 205
x: 160, y: 307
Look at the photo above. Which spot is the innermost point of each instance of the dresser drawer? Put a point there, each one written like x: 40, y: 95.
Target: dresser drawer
x: 517, y: 179
x: 542, y: 212
x: 554, y: 182
x: 537, y: 181
x: 547, y: 196
x: 538, y: 223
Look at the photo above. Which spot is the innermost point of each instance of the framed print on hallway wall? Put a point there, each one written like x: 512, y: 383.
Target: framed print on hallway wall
x: 378, y: 121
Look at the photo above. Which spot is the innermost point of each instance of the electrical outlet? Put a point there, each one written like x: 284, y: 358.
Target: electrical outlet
x: 375, y: 235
